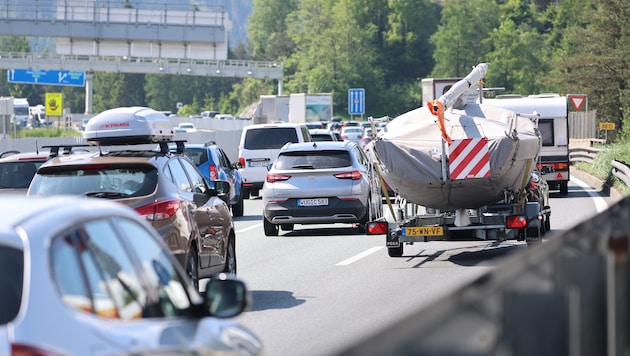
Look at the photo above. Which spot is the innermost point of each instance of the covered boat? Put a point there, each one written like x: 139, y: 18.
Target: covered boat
x: 449, y: 155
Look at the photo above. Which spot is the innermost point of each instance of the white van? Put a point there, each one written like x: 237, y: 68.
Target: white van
x: 259, y: 148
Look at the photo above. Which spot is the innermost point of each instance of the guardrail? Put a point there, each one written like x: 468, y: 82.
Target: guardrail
x: 588, y: 154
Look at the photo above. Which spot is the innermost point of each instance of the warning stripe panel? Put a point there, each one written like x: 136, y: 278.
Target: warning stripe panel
x: 469, y: 158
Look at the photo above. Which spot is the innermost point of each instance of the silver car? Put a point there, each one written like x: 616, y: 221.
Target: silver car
x: 86, y: 276
x: 320, y: 183
x: 352, y: 133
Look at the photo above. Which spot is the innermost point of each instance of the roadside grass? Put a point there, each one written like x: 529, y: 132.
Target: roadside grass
x: 46, y: 132
x: 602, y: 169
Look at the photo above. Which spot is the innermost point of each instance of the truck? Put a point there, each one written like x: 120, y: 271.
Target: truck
x: 21, y: 112
x: 461, y: 169
x: 553, y: 124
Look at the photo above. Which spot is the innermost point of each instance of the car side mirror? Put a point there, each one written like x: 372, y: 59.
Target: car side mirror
x: 221, y: 189
x: 226, y: 296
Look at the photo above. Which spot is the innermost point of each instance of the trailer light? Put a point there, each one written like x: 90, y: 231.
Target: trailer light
x: 516, y: 222
x: 376, y: 227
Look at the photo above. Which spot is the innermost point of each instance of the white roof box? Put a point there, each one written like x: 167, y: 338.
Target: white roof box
x: 128, y: 126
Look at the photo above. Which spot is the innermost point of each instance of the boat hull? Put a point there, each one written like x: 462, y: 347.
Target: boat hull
x: 409, y: 155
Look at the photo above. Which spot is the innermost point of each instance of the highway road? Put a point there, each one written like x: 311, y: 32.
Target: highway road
x: 320, y: 288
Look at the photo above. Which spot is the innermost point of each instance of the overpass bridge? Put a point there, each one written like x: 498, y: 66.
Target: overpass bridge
x: 121, y: 37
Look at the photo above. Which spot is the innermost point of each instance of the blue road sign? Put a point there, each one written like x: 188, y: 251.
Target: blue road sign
x: 46, y: 77
x: 356, y: 101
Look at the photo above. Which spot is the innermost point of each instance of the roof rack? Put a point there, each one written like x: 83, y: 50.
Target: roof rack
x: 67, y: 149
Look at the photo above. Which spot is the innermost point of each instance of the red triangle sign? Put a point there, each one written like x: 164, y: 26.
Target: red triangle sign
x: 578, y: 101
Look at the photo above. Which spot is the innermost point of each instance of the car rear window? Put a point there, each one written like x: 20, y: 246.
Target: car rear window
x: 314, y: 159
x: 198, y: 157
x: 321, y: 137
x: 17, y: 174
x: 11, y: 280
x: 109, y: 181
x: 269, y: 137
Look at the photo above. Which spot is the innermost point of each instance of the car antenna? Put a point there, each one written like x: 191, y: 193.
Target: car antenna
x: 314, y: 145
x: 36, y: 149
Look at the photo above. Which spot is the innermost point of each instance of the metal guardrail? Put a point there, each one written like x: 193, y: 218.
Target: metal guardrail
x: 588, y: 154
x: 566, y: 296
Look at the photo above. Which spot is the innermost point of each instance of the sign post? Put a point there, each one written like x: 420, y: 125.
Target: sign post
x: 356, y: 102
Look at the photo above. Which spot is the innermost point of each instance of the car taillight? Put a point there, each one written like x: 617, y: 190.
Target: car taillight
x: 354, y: 175
x: 213, y: 172
x: 29, y: 350
x: 516, y: 222
x: 241, y: 160
x: 275, y: 177
x: 159, y: 211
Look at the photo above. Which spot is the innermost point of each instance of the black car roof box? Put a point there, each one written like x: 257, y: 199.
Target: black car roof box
x: 128, y: 126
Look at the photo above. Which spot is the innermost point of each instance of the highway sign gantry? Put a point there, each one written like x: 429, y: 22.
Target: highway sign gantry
x: 46, y: 77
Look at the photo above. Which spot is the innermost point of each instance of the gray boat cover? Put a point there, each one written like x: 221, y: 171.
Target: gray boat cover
x: 492, y: 156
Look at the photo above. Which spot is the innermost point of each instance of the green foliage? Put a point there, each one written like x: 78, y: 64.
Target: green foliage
x: 47, y: 132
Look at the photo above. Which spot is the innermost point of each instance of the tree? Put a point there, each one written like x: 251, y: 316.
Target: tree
x: 460, y: 38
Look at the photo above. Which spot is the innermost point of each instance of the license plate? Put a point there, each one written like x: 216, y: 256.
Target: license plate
x: 423, y: 231
x: 313, y: 202
x: 264, y: 163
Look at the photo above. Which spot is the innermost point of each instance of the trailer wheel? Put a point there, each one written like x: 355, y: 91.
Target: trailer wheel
x: 395, y: 251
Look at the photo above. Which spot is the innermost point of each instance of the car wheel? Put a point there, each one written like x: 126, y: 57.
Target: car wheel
x: 237, y: 209
x: 364, y: 220
x: 254, y: 193
x: 286, y: 227
x: 564, y: 188
x: 245, y: 193
x: 547, y: 223
x: 191, y: 268
x: 270, y: 229
x: 230, y: 258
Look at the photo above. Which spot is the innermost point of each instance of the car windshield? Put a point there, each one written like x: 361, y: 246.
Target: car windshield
x: 108, y: 181
x: 314, y: 159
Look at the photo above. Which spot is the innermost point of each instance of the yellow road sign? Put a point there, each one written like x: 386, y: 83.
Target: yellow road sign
x: 54, y: 104
x: 607, y: 126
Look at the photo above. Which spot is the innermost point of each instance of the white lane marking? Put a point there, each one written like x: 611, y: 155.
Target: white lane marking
x: 600, y: 203
x: 249, y: 228
x: 360, y: 256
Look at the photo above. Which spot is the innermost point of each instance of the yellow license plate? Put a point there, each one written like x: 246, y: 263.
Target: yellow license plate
x: 423, y: 231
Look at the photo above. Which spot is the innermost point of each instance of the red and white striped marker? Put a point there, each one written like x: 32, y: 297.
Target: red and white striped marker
x: 469, y: 158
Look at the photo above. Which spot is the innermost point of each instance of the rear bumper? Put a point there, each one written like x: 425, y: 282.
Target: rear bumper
x: 337, y: 211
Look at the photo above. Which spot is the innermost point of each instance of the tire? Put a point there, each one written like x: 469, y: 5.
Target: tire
x: 230, y: 258
x: 395, y: 251
x: 244, y: 193
x: 362, y: 225
x: 192, y: 268
x: 270, y: 229
x: 547, y: 223
x: 286, y: 227
x: 237, y: 209
x: 564, y: 188
x: 254, y: 193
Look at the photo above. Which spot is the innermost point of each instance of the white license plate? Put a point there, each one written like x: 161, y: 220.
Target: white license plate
x: 259, y: 163
x: 313, y: 202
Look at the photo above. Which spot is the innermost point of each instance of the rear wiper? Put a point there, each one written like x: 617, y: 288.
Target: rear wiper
x: 101, y: 194
x: 304, y: 165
